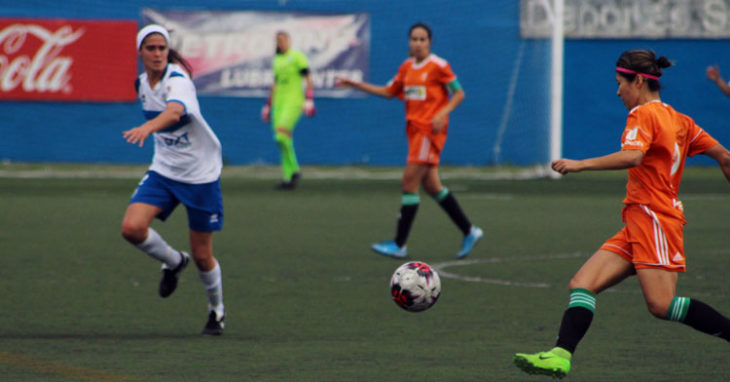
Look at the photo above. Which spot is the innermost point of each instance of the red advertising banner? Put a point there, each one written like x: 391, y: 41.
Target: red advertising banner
x: 67, y: 60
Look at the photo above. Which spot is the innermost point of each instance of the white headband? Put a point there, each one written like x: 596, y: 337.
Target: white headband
x: 148, y: 30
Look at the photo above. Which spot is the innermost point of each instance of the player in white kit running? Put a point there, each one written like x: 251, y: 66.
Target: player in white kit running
x: 185, y: 169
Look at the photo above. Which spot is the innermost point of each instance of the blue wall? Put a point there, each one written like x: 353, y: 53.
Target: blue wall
x: 481, y: 44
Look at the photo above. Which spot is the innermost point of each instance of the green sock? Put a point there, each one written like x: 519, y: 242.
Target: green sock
x: 678, y: 309
x: 289, y: 164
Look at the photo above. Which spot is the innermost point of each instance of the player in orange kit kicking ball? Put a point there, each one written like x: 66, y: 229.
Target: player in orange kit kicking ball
x: 655, y: 143
x: 424, y: 81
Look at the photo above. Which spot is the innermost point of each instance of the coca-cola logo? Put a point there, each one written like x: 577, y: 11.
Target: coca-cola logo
x: 43, y: 70
x: 67, y: 60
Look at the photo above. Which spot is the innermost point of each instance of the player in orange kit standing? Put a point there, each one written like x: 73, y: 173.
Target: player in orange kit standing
x: 424, y: 82
x: 656, y: 141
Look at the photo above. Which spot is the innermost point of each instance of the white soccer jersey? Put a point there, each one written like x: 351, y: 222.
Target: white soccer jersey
x: 189, y: 150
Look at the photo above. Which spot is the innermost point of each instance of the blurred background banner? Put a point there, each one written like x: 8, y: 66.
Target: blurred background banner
x: 48, y: 60
x: 231, y: 51
x: 504, y: 120
x: 629, y: 19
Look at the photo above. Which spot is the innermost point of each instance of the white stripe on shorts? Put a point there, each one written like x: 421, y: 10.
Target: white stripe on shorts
x: 425, y: 146
x: 660, y: 238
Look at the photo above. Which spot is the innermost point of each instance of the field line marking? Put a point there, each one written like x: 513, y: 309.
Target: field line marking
x: 59, y: 368
x: 440, y: 267
x: 494, y: 260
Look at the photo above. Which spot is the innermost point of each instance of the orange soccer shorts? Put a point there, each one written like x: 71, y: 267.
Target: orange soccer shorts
x: 649, y: 240
x: 424, y: 147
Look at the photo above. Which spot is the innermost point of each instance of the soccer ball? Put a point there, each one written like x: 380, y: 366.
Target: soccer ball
x: 415, y: 286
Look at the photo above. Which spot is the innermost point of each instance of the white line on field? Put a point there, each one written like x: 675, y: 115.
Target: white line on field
x: 440, y: 267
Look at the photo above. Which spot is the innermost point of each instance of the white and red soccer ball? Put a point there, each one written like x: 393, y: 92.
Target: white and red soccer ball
x: 415, y: 286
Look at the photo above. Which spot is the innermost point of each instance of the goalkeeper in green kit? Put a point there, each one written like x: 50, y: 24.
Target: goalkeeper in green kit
x: 287, y: 100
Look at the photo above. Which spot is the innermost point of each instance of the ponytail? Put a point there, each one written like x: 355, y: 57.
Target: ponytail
x: 175, y: 57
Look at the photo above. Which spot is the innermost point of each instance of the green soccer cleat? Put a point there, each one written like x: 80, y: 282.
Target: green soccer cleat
x: 555, y: 362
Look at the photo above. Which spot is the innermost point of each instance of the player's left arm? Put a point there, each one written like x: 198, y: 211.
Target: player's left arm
x: 308, y: 106
x: 303, y: 64
x: 457, y: 96
x: 713, y: 74
x: 616, y: 161
x: 170, y: 116
x: 722, y: 156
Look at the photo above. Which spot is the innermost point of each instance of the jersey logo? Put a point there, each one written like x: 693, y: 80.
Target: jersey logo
x: 677, y: 257
x: 676, y: 159
x: 631, y: 134
x: 630, y: 138
x: 424, y: 76
x: 181, y: 141
x: 678, y: 204
x: 415, y: 93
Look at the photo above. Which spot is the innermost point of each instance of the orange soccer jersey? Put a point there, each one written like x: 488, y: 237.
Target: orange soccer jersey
x: 423, y: 87
x: 654, y: 216
x: 666, y: 137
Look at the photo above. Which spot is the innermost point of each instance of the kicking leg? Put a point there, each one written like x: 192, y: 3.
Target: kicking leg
x: 603, y: 270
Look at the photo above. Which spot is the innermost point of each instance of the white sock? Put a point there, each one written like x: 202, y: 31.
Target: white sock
x: 213, y: 284
x: 157, y: 248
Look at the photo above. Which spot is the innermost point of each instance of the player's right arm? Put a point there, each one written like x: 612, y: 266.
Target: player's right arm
x: 392, y: 89
x: 617, y: 161
x: 170, y: 116
x: 381, y: 91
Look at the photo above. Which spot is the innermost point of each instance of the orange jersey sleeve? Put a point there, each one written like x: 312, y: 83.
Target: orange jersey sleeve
x: 395, y: 86
x: 700, y: 140
x: 666, y: 137
x: 446, y: 74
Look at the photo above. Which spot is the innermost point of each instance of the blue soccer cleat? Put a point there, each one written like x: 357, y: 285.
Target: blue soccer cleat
x: 390, y: 248
x: 470, y: 241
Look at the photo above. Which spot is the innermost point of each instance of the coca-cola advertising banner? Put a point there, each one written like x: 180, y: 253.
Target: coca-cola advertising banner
x: 67, y: 60
x: 231, y: 51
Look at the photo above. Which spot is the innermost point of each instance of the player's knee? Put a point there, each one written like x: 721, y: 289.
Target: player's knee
x: 281, y: 139
x: 576, y: 283
x: 134, y: 233
x: 431, y: 189
x: 410, y: 183
x: 204, y: 263
x: 658, y: 308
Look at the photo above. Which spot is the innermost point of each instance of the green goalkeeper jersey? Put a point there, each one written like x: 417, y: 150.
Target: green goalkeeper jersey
x: 288, y: 76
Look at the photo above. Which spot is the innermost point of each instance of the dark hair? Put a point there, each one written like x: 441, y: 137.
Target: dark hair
x: 424, y: 26
x: 643, y: 61
x: 173, y: 56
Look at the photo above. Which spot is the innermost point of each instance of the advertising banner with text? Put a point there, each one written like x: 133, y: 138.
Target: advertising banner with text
x: 231, y: 51
x: 67, y: 60
x: 629, y: 19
